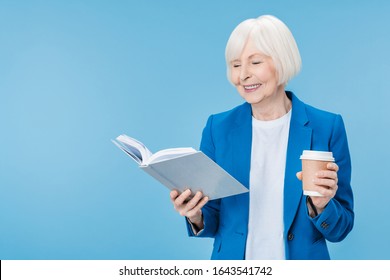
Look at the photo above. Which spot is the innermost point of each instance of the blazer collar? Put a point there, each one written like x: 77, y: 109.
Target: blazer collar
x: 298, y: 110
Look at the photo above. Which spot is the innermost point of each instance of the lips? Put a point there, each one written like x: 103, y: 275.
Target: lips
x: 252, y: 87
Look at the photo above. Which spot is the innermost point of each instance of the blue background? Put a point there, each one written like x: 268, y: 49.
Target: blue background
x: 75, y: 74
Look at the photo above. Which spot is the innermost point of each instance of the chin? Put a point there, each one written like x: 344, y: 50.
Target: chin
x: 253, y: 99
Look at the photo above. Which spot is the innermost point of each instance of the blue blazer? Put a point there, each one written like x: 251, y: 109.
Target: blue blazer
x: 227, y: 139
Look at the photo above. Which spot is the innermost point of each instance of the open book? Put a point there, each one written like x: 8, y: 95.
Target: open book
x: 182, y: 168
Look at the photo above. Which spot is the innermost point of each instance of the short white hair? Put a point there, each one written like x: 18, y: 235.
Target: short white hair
x: 271, y: 37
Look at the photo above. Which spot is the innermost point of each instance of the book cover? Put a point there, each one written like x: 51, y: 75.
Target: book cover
x: 189, y: 169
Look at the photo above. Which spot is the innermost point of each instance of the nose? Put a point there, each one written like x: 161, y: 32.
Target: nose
x: 245, y: 73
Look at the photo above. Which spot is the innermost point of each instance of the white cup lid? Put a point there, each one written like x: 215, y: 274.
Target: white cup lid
x: 317, y: 155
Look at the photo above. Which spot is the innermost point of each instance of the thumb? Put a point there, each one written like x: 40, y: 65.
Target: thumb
x: 299, y: 175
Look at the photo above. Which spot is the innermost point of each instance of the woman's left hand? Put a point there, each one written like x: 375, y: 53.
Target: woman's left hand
x: 326, y: 184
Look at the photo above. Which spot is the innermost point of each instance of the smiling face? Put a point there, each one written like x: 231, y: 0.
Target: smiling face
x: 255, y: 77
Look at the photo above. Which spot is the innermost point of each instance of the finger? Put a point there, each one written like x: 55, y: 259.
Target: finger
x: 329, y: 183
x: 194, y: 201
x: 332, y: 166
x: 327, y: 174
x: 325, y: 192
x: 199, y: 206
x: 173, y: 194
x: 299, y: 175
x: 183, y: 197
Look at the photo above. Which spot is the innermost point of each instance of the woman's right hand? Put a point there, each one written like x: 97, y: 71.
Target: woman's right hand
x: 192, y: 209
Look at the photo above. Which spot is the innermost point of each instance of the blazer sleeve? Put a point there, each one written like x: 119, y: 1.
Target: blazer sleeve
x: 337, y: 219
x: 210, y: 211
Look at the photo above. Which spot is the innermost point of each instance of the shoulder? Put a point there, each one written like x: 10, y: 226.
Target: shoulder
x: 327, y: 127
x: 219, y: 126
x: 319, y: 116
x: 310, y: 115
x: 227, y: 118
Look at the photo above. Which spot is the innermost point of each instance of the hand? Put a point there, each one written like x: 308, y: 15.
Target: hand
x: 326, y: 184
x: 192, y: 209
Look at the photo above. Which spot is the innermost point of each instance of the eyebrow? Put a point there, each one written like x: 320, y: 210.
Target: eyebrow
x: 251, y: 56
x: 256, y: 54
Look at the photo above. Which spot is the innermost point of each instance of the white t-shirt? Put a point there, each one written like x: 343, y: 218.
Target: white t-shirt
x: 268, y: 162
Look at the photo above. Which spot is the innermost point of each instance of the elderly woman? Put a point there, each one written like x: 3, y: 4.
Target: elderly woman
x: 259, y: 143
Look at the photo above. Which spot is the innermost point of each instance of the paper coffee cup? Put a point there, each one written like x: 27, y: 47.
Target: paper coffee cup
x: 312, y: 162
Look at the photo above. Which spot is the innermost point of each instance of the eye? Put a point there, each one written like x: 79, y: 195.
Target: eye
x: 256, y: 62
x: 236, y: 65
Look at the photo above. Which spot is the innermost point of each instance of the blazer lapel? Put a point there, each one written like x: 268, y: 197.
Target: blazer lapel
x: 299, y: 140
x: 241, y: 137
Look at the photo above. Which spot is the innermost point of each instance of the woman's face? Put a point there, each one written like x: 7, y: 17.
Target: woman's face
x: 254, y: 75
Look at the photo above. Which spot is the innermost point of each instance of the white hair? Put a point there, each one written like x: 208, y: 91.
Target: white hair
x: 271, y: 37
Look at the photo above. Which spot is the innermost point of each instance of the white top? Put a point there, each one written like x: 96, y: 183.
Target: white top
x: 268, y: 162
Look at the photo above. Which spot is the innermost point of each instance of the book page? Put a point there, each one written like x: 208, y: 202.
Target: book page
x: 134, y: 148
x: 136, y: 156
x: 167, y: 154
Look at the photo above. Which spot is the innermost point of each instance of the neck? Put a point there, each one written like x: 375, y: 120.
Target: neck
x: 273, y: 107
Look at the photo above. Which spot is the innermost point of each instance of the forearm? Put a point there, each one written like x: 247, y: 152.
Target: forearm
x: 210, y: 221
x: 197, y: 223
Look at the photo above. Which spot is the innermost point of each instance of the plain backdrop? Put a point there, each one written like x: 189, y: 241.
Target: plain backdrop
x: 76, y: 74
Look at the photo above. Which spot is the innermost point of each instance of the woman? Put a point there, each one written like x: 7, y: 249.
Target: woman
x: 259, y: 143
